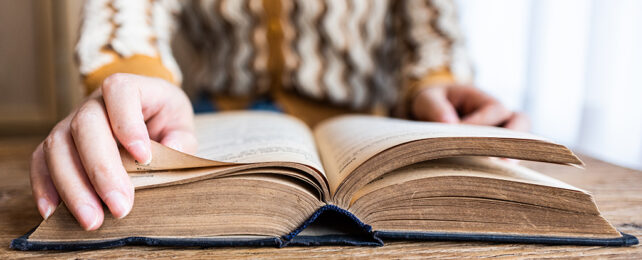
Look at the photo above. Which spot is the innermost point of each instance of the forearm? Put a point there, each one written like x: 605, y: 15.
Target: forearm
x: 434, y: 54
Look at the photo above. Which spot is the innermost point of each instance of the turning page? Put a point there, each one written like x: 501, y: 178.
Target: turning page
x: 252, y: 137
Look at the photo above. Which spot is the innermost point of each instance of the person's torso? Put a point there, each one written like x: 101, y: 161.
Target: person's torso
x: 346, y: 53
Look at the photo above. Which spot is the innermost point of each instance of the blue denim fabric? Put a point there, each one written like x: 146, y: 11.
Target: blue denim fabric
x: 205, y: 104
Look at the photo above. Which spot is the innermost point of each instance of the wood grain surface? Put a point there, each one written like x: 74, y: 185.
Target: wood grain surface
x: 617, y: 190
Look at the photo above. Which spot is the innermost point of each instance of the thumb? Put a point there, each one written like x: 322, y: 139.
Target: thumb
x: 433, y: 105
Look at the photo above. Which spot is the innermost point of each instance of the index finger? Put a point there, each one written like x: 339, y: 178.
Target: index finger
x: 491, y: 114
x: 122, y: 101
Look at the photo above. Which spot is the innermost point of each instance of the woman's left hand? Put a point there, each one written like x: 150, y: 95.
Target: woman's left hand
x: 467, y: 105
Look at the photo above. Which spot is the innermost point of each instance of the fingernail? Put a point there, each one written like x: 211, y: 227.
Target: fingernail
x: 45, y: 208
x: 118, y: 204
x: 88, y: 214
x: 138, y: 147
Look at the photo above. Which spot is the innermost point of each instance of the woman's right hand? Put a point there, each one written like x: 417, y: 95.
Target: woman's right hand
x: 79, y: 161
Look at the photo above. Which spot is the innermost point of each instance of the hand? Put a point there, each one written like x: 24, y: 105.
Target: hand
x: 79, y: 161
x: 465, y: 104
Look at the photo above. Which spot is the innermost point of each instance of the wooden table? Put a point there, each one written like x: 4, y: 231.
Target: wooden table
x: 618, y: 192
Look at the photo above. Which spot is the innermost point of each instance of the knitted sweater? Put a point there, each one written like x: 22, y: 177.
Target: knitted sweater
x: 356, y: 54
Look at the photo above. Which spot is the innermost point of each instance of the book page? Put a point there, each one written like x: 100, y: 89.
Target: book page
x: 464, y: 166
x: 252, y: 137
x: 348, y: 141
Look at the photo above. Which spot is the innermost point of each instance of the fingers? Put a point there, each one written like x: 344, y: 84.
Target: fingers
x: 166, y: 110
x: 42, y: 187
x: 123, y: 102
x: 477, y: 107
x: 519, y: 122
x: 481, y: 109
x: 91, y: 130
x: 180, y: 140
x: 69, y: 178
x: 432, y: 104
x: 491, y: 113
x: 447, y: 103
x: 79, y: 162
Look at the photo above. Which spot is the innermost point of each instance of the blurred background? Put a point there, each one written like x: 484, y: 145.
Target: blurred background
x: 574, y: 66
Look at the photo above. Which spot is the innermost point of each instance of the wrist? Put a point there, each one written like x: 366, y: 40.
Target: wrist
x: 414, y: 96
x: 437, y: 78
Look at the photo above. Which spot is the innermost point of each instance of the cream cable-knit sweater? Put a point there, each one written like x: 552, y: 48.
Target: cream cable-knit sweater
x: 352, y: 53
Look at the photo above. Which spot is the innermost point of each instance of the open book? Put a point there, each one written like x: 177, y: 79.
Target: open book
x: 263, y: 178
